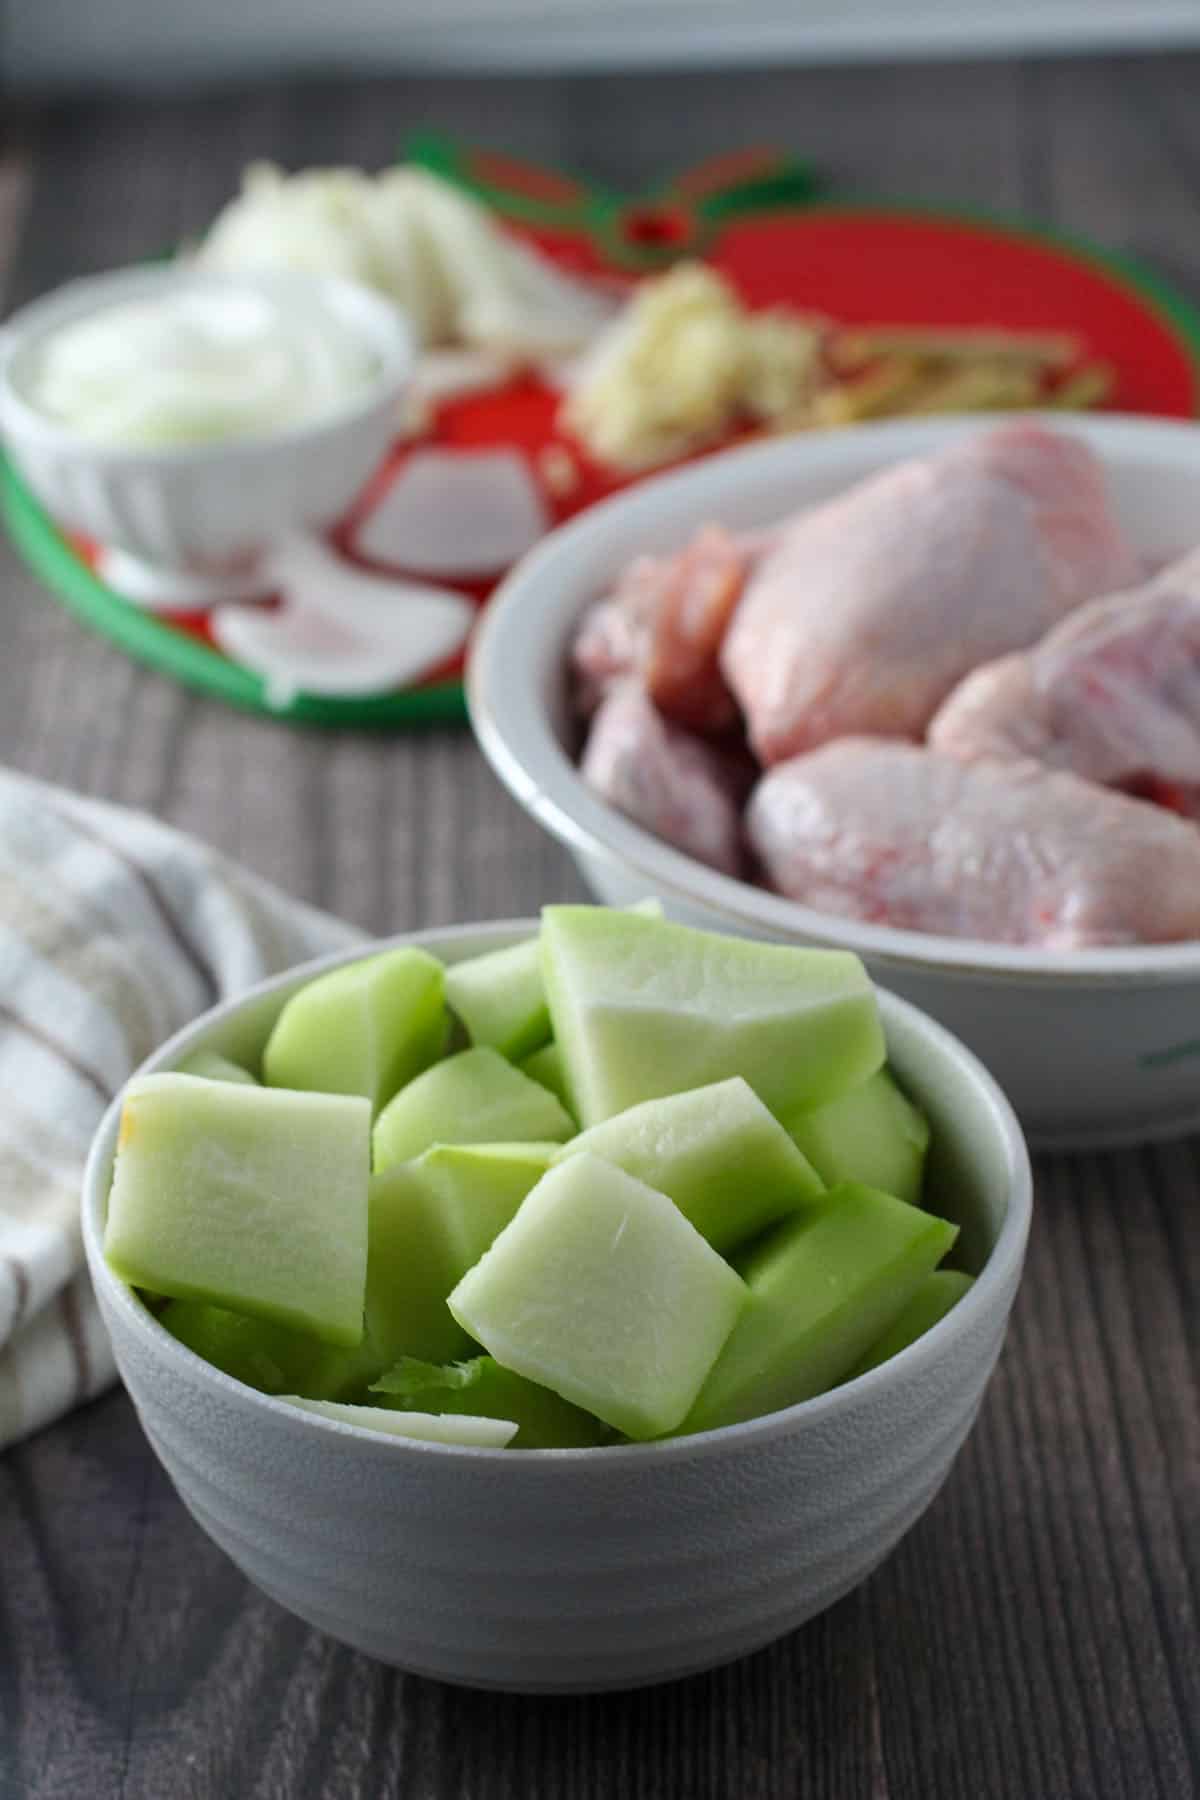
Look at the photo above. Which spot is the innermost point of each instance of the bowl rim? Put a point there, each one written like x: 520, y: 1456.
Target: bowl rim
x: 1002, y: 1267
x: 383, y: 325
x: 510, y: 723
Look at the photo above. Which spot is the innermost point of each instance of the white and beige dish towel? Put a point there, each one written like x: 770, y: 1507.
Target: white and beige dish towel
x: 114, y: 932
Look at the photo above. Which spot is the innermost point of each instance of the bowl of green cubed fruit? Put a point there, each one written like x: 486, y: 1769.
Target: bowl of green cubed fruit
x: 559, y: 1305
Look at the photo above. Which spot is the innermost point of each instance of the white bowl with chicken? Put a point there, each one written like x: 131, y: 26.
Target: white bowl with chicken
x: 829, y: 698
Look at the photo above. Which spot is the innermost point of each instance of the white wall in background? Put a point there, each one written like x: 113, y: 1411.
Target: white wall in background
x: 168, y: 40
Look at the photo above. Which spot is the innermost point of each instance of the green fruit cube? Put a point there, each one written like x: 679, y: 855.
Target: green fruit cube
x: 482, y: 1388
x: 501, y: 997
x: 873, y: 1134
x: 272, y: 1358
x: 479, y: 1188
x: 253, y: 1198
x: 546, y: 1066
x: 430, y: 1221
x: 642, y: 1008
x: 823, y: 1288
x: 475, y: 1097
x: 931, y: 1302
x: 364, y: 1028
x: 725, y: 1161
x: 501, y: 1000
x: 601, y: 1290
x: 211, y: 1066
x: 411, y: 1268
x: 431, y: 1428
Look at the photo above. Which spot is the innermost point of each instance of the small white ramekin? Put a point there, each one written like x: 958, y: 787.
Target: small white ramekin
x: 202, y: 509
x: 571, y: 1570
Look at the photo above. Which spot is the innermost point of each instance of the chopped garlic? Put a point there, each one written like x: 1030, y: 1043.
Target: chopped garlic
x: 683, y: 364
x: 558, y: 469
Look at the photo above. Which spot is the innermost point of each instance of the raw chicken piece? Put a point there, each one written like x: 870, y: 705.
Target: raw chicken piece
x: 613, y: 637
x: 1112, y: 694
x: 700, y: 592
x: 1007, y: 851
x: 660, y: 776
x: 665, y: 621
x: 871, y: 607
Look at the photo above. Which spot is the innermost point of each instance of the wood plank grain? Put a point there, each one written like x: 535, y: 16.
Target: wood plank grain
x: 1117, y: 164
x: 871, y: 132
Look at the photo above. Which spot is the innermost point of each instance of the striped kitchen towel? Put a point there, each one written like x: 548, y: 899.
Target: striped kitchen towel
x: 114, y: 932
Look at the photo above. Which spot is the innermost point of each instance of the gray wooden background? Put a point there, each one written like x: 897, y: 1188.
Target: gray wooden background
x: 1035, y: 1636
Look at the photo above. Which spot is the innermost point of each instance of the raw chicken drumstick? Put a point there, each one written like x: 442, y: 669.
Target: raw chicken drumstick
x: 1113, y: 694
x: 677, y: 786
x: 1008, y: 851
x: 868, y: 609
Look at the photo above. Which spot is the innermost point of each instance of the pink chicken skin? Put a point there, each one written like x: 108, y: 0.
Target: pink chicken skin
x: 677, y: 786
x: 665, y: 621
x: 1112, y: 694
x: 612, y: 640
x: 868, y: 609
x: 1007, y: 851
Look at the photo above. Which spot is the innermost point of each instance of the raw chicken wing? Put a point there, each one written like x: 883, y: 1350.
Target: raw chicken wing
x: 1112, y: 694
x: 612, y: 641
x: 868, y: 609
x: 1008, y: 851
x: 665, y: 621
x: 657, y: 774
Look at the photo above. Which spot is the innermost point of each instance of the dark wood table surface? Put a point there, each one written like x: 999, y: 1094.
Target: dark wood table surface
x: 1036, y: 1634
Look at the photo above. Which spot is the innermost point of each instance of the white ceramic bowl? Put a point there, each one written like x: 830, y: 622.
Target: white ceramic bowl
x: 205, y: 508
x: 1095, y: 1047
x: 573, y: 1570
